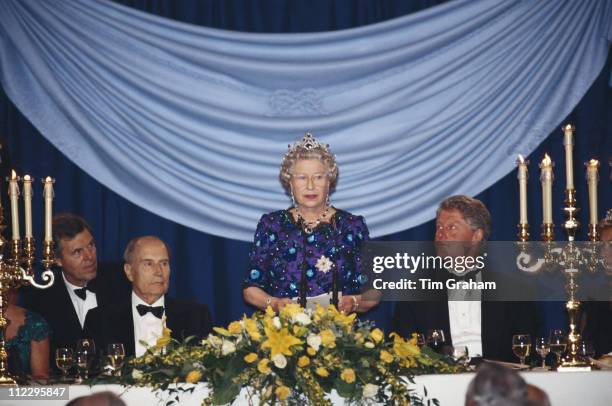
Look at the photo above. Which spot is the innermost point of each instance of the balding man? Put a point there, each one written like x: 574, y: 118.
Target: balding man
x: 467, y: 318
x: 140, y: 319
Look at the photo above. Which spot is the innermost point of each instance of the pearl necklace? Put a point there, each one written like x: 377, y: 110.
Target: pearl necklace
x: 309, y: 226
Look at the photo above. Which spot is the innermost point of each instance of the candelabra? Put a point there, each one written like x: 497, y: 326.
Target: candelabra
x: 570, y: 256
x: 17, y: 269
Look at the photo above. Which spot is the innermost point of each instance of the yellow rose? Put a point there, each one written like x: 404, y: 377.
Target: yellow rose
x: 264, y: 367
x: 163, y: 341
x: 311, y: 351
x: 299, y: 331
x: 250, y: 326
x: 303, y: 361
x: 282, y: 392
x: 348, y: 375
x: 222, y: 331
x: 322, y: 372
x: 250, y: 358
x: 328, y: 339
x: 234, y: 327
x: 290, y: 310
x: 193, y: 376
x: 386, y: 356
x: 377, y: 335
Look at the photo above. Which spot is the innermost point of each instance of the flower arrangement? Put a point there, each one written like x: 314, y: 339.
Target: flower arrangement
x: 296, y: 357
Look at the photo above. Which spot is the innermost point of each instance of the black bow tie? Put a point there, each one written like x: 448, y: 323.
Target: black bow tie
x: 157, y: 311
x: 82, y: 292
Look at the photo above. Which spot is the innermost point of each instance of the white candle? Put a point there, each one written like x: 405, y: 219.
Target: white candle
x: 592, y: 178
x: 48, y: 195
x: 522, y: 179
x: 27, y: 204
x: 546, y: 178
x: 568, y: 143
x: 14, y: 196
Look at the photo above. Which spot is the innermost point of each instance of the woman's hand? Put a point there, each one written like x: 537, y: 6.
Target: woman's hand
x: 278, y: 303
x: 349, y: 304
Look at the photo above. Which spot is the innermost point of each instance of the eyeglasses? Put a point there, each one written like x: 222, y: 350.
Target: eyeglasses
x: 301, y: 179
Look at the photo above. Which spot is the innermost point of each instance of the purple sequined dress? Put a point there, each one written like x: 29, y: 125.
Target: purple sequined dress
x: 277, y: 255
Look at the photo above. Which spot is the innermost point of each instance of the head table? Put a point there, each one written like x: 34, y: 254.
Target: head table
x: 568, y: 388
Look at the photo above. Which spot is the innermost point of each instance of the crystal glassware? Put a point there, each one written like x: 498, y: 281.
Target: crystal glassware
x: 85, y: 352
x: 63, y: 360
x: 115, y: 354
x: 558, y: 344
x: 435, y: 339
x: 521, y: 346
x: 542, y: 347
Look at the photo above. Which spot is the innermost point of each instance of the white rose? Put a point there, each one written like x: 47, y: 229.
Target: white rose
x: 277, y: 323
x: 370, y: 390
x: 214, y: 341
x: 301, y: 318
x: 137, y: 374
x: 279, y: 361
x: 314, y: 341
x: 228, y: 347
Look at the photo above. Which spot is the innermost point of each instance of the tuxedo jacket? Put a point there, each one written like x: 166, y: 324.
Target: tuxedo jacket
x: 55, y: 306
x: 500, y: 320
x: 114, y: 323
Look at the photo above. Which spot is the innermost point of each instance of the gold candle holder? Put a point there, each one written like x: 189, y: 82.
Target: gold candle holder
x: 13, y: 276
x: 593, y: 233
x: 523, y: 233
x: 548, y: 232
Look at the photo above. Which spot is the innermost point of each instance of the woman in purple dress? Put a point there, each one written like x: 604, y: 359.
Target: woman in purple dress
x: 297, y: 251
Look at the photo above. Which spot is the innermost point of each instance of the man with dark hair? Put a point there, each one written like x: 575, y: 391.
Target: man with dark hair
x: 143, y: 315
x: 466, y: 317
x: 79, y: 287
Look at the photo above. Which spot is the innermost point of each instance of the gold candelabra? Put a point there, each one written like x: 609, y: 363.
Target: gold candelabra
x: 17, y: 269
x: 569, y: 257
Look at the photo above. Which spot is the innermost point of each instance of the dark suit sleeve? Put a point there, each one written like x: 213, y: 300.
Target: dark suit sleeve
x: 96, y: 328
x: 205, y: 321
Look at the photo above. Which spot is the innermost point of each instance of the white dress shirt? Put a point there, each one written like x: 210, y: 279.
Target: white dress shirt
x: 465, y: 318
x: 147, y: 328
x: 80, y: 306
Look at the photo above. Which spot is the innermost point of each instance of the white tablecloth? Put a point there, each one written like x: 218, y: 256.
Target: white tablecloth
x: 568, y: 388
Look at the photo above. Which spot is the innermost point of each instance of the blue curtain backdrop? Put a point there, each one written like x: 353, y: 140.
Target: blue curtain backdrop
x: 209, y: 268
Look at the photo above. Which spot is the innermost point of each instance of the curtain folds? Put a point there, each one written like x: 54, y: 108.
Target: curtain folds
x: 191, y: 123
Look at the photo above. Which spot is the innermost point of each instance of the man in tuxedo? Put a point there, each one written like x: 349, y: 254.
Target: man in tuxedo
x: 484, y: 327
x: 597, y: 316
x: 79, y: 286
x: 141, y: 316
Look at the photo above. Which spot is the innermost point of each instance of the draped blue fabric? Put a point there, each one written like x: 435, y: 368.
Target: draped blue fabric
x: 208, y: 268
x: 190, y: 122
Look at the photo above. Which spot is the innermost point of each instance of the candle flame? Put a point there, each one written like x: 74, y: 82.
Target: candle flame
x: 521, y: 159
x: 569, y: 127
x: 13, y: 174
x: 593, y: 163
x: 546, y: 161
x: 27, y: 178
x: 48, y: 179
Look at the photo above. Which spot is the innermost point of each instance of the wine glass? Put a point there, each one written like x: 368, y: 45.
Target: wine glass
x: 542, y: 347
x: 586, y: 350
x: 435, y: 339
x: 460, y: 354
x: 521, y: 344
x: 558, y: 343
x: 63, y: 360
x: 85, y: 354
x: 115, y: 355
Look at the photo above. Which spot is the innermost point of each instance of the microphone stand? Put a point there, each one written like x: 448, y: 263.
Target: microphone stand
x: 303, y: 281
x: 334, y: 299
